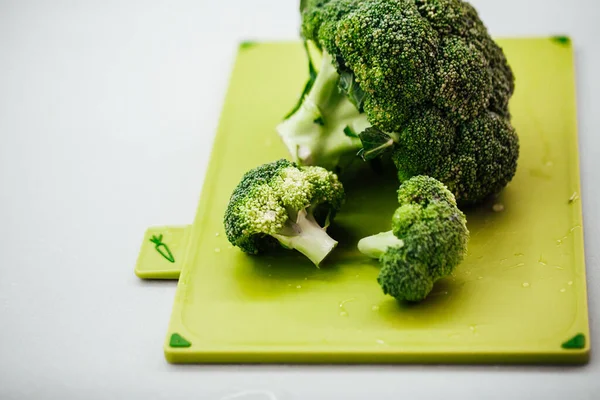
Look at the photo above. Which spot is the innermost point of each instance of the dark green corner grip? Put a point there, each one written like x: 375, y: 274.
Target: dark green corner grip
x: 576, y: 342
x: 178, y: 341
x: 247, y: 44
x: 563, y: 40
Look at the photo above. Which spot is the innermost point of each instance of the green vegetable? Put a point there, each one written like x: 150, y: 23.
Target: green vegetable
x: 420, y: 79
x: 316, y: 129
x: 428, y: 240
x: 281, y: 203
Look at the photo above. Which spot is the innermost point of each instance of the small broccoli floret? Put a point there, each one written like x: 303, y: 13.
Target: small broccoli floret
x: 428, y: 240
x: 413, y: 77
x: 283, y: 204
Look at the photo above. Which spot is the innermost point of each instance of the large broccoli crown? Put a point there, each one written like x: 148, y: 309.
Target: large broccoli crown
x: 276, y: 202
x: 428, y: 74
x: 431, y: 240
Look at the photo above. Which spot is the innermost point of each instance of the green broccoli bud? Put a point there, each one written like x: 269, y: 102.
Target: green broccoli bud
x: 482, y: 162
x: 281, y: 203
x: 428, y: 240
x: 392, y: 50
x: 464, y: 81
x: 404, y: 278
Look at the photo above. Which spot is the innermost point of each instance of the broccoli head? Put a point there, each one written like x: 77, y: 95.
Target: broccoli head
x: 421, y: 79
x: 281, y: 203
x: 428, y: 240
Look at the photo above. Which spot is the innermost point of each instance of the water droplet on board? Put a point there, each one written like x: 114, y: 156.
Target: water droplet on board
x: 519, y: 254
x: 480, y: 277
x: 541, y: 260
x: 525, y: 284
x: 343, y: 311
x: 573, y: 197
x: 217, y: 234
x: 561, y: 240
x: 379, y: 341
x: 375, y: 308
x: 563, y: 290
x: 217, y: 250
x: 498, y: 207
x: 570, y: 283
x: 517, y: 266
x: 298, y: 287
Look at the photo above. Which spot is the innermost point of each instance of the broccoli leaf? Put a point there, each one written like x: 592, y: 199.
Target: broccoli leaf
x: 350, y: 133
x: 375, y: 142
x: 355, y: 94
x: 312, y: 76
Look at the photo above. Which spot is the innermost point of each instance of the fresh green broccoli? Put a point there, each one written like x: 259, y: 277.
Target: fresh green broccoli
x: 420, y: 79
x: 323, y: 128
x: 281, y: 203
x: 428, y: 240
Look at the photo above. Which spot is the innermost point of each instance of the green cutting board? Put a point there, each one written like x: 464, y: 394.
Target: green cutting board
x: 519, y: 297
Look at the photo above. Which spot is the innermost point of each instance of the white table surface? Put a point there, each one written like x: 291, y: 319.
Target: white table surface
x: 107, y: 114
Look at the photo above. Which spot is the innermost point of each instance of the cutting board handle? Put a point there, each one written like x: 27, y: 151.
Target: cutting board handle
x: 162, y: 252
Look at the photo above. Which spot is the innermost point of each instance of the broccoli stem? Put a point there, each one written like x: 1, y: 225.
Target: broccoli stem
x: 314, y: 134
x: 307, y: 236
x: 374, y: 246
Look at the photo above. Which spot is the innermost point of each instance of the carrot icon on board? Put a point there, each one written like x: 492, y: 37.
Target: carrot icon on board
x: 162, y: 248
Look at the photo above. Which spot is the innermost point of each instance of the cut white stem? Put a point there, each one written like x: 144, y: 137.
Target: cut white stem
x: 374, y: 246
x: 307, y: 236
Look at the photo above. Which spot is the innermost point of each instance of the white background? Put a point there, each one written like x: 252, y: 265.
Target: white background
x: 107, y: 115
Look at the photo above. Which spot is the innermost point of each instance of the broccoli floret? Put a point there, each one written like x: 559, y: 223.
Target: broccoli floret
x: 482, y: 160
x: 281, y: 203
x: 413, y: 77
x: 428, y: 240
